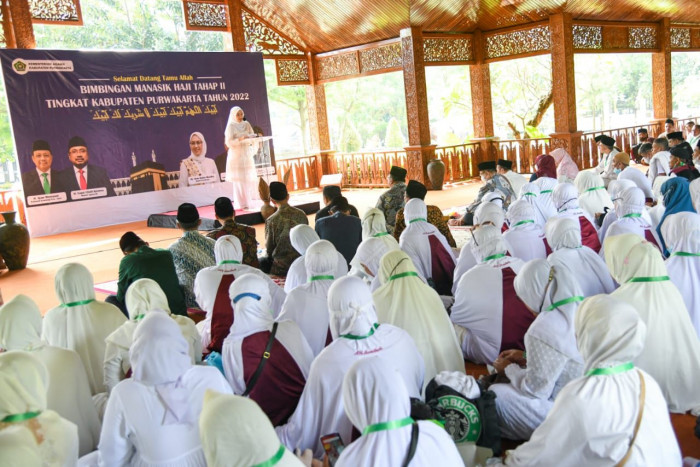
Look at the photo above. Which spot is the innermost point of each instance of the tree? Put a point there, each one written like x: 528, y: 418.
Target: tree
x: 352, y: 142
x: 291, y: 97
x: 394, y: 138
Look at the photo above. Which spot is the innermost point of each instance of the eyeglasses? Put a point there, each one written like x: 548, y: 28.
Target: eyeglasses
x: 195, y: 143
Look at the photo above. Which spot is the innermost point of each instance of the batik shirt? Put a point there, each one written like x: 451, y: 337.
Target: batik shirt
x: 191, y: 253
x: 435, y: 217
x: 498, y: 182
x: 390, y: 202
x: 279, y: 246
x: 244, y: 233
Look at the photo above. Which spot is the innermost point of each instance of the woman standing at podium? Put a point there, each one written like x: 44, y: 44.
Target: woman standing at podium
x: 240, y: 166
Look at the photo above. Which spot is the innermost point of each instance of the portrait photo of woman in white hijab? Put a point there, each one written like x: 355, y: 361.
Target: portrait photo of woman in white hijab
x: 240, y: 165
x: 197, y: 169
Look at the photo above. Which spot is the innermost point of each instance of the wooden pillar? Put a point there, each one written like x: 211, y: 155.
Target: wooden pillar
x: 21, y: 24
x: 318, y: 118
x: 482, y: 108
x: 7, y: 30
x: 419, y: 150
x: 236, y: 21
x: 661, y: 74
x: 566, y: 134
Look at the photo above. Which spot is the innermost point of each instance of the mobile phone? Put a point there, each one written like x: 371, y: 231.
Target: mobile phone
x: 333, y: 445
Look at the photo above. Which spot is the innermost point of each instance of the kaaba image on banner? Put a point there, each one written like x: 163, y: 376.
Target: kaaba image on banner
x: 148, y: 176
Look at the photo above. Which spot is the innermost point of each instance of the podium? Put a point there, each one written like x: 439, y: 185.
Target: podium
x: 259, y: 150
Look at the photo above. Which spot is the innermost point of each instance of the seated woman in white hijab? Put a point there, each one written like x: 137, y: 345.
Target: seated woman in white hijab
x: 307, y: 305
x: 18, y: 446
x: 552, y: 357
x: 151, y: 418
x: 488, y: 316
x: 142, y: 297
x: 656, y: 213
x: 356, y: 334
x: 80, y: 322
x: 256, y: 339
x: 367, y: 259
x: 302, y: 236
x: 427, y: 247
x: 640, y: 180
x: 630, y: 209
x: 682, y: 234
x: 251, y: 440
x: 615, y: 414
x: 23, y: 384
x: 485, y: 214
x: 530, y: 193
x: 405, y: 301
x: 68, y: 392
x: 377, y: 403
x: 589, y: 269
x: 593, y: 198
x: 638, y: 266
x: 615, y: 187
x: 544, y: 199
x: 211, y: 287
x: 374, y: 225
x: 525, y: 237
x: 565, y: 198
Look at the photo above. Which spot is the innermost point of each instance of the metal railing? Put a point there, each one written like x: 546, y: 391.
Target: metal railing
x: 460, y: 161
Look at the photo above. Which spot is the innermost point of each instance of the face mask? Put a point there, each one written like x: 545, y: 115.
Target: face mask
x: 483, y: 178
x: 617, y: 171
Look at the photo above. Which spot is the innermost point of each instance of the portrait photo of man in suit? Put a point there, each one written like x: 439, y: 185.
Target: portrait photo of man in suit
x: 42, y: 180
x: 83, y: 175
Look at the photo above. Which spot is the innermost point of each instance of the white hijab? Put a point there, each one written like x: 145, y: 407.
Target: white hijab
x: 351, y: 308
x: 204, y: 147
x: 301, y: 237
x: 694, y: 188
x: 250, y: 441
x: 565, y: 198
x: 631, y: 216
x: 487, y: 242
x: 547, y: 185
x: 234, y: 128
x: 20, y: 325
x: 159, y: 358
x: 374, y: 393
x: 405, y: 301
x: 369, y: 253
x: 564, y: 237
x: 554, y: 296
x: 593, y: 417
x: 414, y: 239
x: 491, y: 213
x: 530, y: 193
x: 524, y: 238
x: 639, y: 179
x: 640, y: 270
x: 682, y: 234
x: 592, y: 195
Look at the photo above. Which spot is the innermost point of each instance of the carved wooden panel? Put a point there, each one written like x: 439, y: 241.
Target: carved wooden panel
x: 260, y: 37
x: 447, y: 50
x: 518, y: 42
x: 65, y: 12
x: 642, y: 38
x: 695, y: 38
x: 615, y: 37
x: 206, y: 16
x: 292, y: 71
x: 588, y: 37
x: 381, y: 58
x: 680, y: 38
x: 334, y: 66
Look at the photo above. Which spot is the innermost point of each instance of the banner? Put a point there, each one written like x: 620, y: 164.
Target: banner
x: 111, y: 137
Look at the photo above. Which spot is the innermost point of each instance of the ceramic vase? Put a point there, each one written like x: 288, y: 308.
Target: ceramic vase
x: 14, y: 242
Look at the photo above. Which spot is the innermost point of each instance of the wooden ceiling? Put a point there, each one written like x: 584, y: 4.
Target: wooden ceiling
x: 322, y: 26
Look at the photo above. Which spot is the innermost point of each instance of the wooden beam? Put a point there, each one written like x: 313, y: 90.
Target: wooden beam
x: 21, y: 18
x: 7, y: 30
x: 661, y: 73
x: 236, y: 22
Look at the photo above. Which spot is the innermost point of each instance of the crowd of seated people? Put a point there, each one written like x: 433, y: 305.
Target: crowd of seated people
x: 572, y: 292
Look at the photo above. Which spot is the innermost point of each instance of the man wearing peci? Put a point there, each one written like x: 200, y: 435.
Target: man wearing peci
x: 42, y: 180
x: 82, y: 175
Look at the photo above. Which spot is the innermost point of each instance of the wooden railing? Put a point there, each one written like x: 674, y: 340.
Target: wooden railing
x: 304, y: 172
x: 366, y: 169
x: 460, y: 161
x: 522, y: 152
x: 624, y: 138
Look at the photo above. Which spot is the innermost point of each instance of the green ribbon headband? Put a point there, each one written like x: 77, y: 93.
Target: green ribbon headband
x: 274, y: 459
x: 380, y: 234
x: 611, y: 371
x: 20, y: 417
x: 576, y: 298
x: 488, y: 258
x: 546, y: 191
x: 403, y: 274
x: 684, y: 253
x: 392, y: 425
x: 320, y: 278
x: 81, y: 302
x: 595, y: 188
x: 357, y: 338
x: 417, y: 219
x: 529, y: 221
x: 633, y: 214
x: 650, y: 279
x: 229, y: 261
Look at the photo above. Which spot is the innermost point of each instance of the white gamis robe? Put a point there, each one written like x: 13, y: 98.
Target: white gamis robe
x: 68, y: 392
x: 593, y: 198
x: 373, y: 393
x: 639, y: 179
x: 552, y: 357
x: 682, y: 234
x: 630, y: 210
x: 80, y: 326
x: 142, y: 297
x: 544, y: 198
x: 661, y: 307
x: 565, y: 197
x: 320, y: 410
x: 564, y: 237
x: 405, y: 301
x: 516, y: 180
x: 151, y: 418
x: 524, y: 238
x: 593, y: 417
